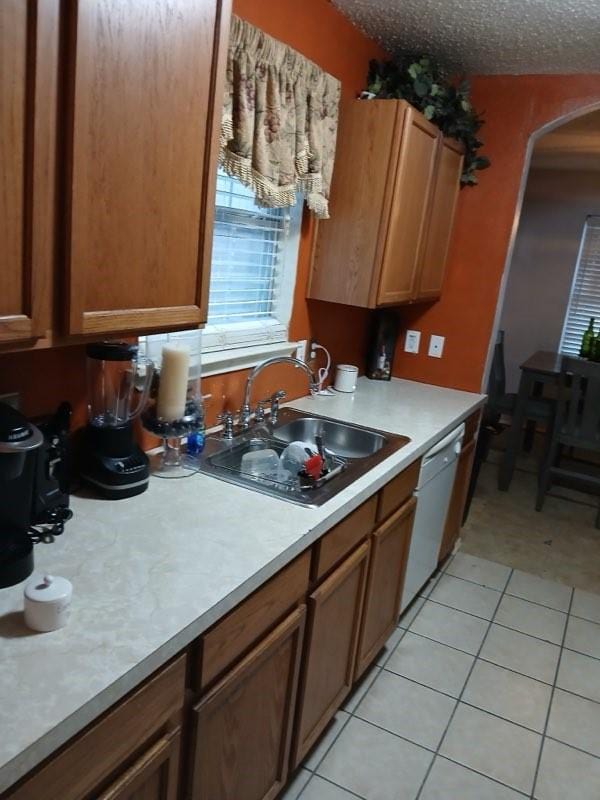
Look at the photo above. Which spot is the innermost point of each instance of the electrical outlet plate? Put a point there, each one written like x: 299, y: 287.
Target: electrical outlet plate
x: 436, y: 346
x: 412, y: 341
x: 301, y: 350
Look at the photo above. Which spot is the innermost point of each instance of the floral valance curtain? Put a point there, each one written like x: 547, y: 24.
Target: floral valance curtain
x: 279, y: 121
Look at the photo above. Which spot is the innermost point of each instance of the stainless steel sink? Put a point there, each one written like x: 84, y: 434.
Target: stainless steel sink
x: 347, y: 441
x: 352, y: 451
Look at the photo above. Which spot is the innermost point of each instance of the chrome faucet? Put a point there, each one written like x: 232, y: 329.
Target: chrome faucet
x: 245, y: 411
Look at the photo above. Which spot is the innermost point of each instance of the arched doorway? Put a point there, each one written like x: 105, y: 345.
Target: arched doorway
x: 570, y: 124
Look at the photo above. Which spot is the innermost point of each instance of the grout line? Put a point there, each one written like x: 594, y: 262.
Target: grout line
x: 381, y: 664
x: 396, y: 734
x: 540, y: 605
x: 418, y: 683
x: 544, y: 734
x: 435, y: 754
x: 533, y: 636
x: 573, y: 747
x: 584, y: 619
x: 376, y: 669
x: 442, y: 644
x: 333, y: 741
x: 477, y: 583
x: 333, y: 783
x: 458, y: 700
x: 515, y: 671
x: 462, y: 611
x: 482, y: 774
x: 500, y: 591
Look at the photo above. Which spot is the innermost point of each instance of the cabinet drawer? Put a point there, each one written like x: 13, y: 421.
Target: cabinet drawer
x: 241, y: 628
x: 92, y: 759
x: 398, y: 490
x: 341, y: 540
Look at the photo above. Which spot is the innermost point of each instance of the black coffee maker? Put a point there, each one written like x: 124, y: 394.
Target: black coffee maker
x: 19, y: 441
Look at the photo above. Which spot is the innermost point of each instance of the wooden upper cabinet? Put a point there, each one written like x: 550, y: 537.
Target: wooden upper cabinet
x: 29, y: 34
x: 348, y: 245
x: 407, y: 222
x: 144, y: 104
x: 392, y: 203
x: 441, y: 219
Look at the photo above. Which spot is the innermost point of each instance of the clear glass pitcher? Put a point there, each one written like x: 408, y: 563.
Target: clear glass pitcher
x: 119, y: 381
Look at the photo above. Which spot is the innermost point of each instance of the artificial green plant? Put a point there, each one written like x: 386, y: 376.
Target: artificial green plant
x: 421, y: 83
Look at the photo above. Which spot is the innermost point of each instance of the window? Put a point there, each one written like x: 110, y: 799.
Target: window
x: 255, y: 251
x: 585, y: 291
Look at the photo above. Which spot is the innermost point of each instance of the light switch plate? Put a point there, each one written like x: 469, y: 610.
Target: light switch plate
x: 436, y: 346
x: 412, y: 341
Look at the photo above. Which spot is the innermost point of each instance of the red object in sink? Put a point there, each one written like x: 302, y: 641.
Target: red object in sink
x: 313, y: 466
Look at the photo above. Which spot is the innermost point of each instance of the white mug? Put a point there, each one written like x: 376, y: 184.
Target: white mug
x: 345, y: 378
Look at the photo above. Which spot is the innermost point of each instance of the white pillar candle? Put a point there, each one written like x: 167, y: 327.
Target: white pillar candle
x: 172, y: 389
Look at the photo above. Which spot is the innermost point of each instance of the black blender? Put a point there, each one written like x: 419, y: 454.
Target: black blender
x: 118, y: 385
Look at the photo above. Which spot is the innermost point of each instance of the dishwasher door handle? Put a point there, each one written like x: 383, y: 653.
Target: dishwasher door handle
x: 453, y: 437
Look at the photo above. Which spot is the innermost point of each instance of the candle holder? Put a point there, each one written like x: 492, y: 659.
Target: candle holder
x: 175, y: 409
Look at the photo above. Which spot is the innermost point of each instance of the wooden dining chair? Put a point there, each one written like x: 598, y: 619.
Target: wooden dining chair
x: 576, y: 425
x: 500, y: 402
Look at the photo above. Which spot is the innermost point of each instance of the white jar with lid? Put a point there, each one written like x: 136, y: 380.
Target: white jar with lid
x: 47, y: 603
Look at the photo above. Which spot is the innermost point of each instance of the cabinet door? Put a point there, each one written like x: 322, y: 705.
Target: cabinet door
x: 457, y: 499
x: 348, y: 246
x: 154, y: 776
x: 106, y: 749
x: 387, y: 565
x: 242, y: 728
x: 28, y: 88
x: 335, y: 609
x: 441, y: 219
x: 144, y: 103
x: 409, y: 209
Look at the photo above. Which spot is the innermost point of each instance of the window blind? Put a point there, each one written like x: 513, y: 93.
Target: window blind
x: 253, y: 268
x: 584, y: 301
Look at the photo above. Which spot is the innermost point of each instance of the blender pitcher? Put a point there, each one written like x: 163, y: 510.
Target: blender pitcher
x: 119, y: 382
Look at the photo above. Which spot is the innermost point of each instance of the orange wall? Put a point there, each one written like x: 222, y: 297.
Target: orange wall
x: 514, y: 107
x: 319, y: 31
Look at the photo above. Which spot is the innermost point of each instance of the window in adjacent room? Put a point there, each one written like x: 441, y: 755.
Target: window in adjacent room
x: 254, y: 259
x: 585, y: 291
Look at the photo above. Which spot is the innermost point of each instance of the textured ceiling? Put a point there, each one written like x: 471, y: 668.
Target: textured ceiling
x: 486, y: 36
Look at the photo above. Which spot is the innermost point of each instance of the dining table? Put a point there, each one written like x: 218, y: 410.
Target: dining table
x: 540, y: 369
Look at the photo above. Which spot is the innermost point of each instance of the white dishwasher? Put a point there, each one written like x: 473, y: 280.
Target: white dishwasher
x: 433, y: 491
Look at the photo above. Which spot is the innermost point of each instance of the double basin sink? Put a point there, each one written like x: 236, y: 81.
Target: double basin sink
x: 352, y: 450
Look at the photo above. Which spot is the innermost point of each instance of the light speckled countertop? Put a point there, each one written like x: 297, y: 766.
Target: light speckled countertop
x: 151, y: 573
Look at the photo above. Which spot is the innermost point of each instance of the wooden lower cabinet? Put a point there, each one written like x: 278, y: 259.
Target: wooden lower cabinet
x: 334, y: 614
x: 154, y: 776
x: 132, y: 753
x: 457, y: 499
x: 389, y: 553
x: 242, y: 728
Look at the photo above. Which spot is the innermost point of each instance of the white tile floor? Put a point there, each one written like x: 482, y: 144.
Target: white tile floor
x: 489, y: 689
